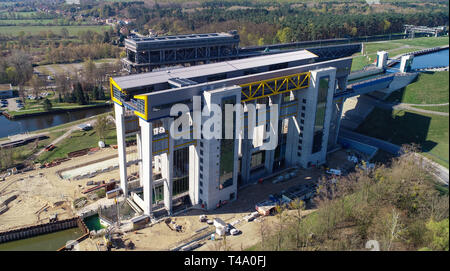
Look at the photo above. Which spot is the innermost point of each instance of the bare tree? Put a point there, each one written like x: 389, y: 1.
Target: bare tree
x: 21, y: 62
x: 101, y: 126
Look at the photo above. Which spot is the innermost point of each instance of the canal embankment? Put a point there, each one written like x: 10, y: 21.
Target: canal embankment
x: 12, y: 116
x: 46, y: 228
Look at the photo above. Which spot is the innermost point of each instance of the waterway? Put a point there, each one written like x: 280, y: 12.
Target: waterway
x: 29, y: 124
x: 44, y: 242
x: 431, y: 60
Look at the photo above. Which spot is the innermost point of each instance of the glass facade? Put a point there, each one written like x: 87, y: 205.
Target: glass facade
x: 258, y: 159
x: 180, y: 171
x: 320, y: 113
x: 226, y: 149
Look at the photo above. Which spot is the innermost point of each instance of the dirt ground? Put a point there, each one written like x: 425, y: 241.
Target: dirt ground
x: 42, y: 187
x: 160, y: 237
x: 39, y: 188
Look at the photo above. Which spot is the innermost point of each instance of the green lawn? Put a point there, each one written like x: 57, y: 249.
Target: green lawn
x: 73, y: 29
x: 430, y: 88
x: 23, y: 152
x: 425, y: 42
x: 405, y: 127
x: 359, y: 62
x: 37, y: 107
x: 76, y: 141
x: 27, y: 21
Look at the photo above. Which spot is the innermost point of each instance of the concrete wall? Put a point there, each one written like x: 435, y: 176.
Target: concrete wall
x: 210, y: 167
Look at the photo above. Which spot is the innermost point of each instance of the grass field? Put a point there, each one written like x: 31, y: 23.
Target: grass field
x: 51, y: 69
x: 430, y: 88
x: 22, y: 152
x: 73, y: 29
x: 26, y: 21
x: 78, y: 140
x: 405, y: 127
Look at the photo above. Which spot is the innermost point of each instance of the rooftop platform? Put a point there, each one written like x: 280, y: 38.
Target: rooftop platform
x: 136, y: 81
x: 179, y: 40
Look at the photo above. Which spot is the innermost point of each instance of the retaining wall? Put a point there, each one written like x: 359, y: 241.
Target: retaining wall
x: 35, y: 230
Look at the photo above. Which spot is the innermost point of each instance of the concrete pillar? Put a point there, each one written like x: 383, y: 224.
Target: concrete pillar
x: 139, y: 149
x: 405, y: 63
x: 293, y: 134
x: 382, y: 57
x: 193, y: 174
x: 247, y: 146
x: 121, y: 147
x: 167, y: 169
x: 147, y: 172
x: 270, y: 154
x: 308, y: 156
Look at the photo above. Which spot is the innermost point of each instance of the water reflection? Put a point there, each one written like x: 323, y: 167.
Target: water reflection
x: 13, y: 127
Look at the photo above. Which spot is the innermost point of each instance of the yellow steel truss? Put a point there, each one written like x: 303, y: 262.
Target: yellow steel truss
x: 274, y: 86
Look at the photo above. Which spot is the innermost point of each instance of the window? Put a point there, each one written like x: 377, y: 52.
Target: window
x: 302, y: 115
x: 201, y: 144
x: 201, y: 183
x: 201, y: 177
x: 299, y: 148
x: 302, y: 121
x: 201, y: 168
x: 201, y: 192
x: 257, y: 159
x: 320, y: 113
x: 201, y: 152
x: 299, y: 154
x: 201, y: 160
x: 303, y: 108
x: 226, y: 165
x: 304, y: 101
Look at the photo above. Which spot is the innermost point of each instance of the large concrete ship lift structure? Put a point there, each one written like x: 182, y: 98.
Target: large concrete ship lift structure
x: 308, y: 91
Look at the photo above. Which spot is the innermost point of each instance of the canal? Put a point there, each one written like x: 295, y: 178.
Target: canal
x: 431, y: 60
x: 44, y: 242
x: 29, y: 124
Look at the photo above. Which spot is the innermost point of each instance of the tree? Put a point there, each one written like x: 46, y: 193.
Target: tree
x: 106, y: 37
x: 79, y: 95
x: 89, y: 70
x: 64, y: 33
x: 6, y: 158
x: 47, y: 105
x: 285, y: 35
x: 37, y: 84
x: 101, y: 126
x: 439, y: 232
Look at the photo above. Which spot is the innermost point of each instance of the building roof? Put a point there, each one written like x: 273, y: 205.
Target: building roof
x: 152, y: 78
x: 156, y: 40
x: 5, y: 87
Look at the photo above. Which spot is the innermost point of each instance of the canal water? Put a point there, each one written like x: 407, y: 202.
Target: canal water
x: 44, y: 242
x: 29, y: 124
x: 431, y: 60
x: 93, y: 223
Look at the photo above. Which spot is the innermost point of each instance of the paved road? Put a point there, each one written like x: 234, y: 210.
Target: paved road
x: 386, y: 105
